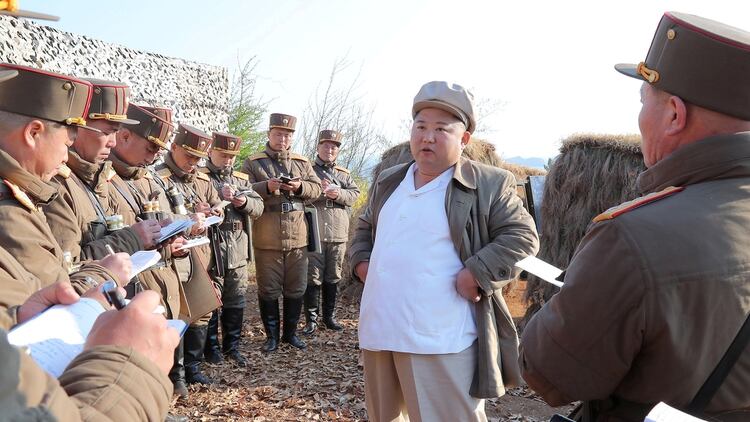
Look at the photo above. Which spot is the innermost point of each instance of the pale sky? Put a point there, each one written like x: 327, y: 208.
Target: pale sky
x: 549, y: 63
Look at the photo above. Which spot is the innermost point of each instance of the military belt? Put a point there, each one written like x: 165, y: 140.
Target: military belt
x: 231, y: 226
x: 285, y: 207
x: 331, y: 204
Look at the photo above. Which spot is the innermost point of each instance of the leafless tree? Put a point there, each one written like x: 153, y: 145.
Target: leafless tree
x: 339, y: 106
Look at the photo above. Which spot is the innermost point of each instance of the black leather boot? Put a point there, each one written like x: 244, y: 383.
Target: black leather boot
x: 312, y: 297
x: 329, y: 306
x: 177, y: 373
x: 292, y: 311
x: 212, y: 352
x: 231, y: 329
x: 269, y: 313
x: 195, y: 341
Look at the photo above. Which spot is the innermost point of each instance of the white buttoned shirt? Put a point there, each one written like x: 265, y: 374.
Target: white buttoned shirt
x: 410, y: 303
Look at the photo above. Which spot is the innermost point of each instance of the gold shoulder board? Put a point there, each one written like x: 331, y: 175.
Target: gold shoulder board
x: 342, y: 169
x: 295, y: 156
x: 110, y: 174
x: 164, y: 172
x: 201, y: 175
x: 257, y: 156
x: 635, y: 203
x: 64, y: 171
x: 240, y: 175
x: 21, y: 196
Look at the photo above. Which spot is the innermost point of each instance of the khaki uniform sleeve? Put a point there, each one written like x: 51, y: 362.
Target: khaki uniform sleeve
x: 253, y: 207
x: 257, y: 181
x: 63, y: 219
x: 116, y: 384
x: 349, y: 191
x: 310, y: 188
x: 123, y: 240
x: 362, y: 241
x: 580, y: 345
x: 27, y: 238
x: 512, y: 237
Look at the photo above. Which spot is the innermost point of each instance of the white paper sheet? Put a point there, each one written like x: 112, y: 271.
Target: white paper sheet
x: 177, y: 226
x: 220, y: 205
x: 198, y: 241
x: 143, y: 260
x: 541, y: 269
x: 210, y: 221
x: 56, y: 336
x: 662, y: 412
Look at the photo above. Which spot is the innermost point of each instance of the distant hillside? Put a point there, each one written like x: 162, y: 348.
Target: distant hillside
x: 535, y: 162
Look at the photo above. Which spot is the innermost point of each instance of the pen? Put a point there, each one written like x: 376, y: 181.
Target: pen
x: 112, y: 294
x: 109, y: 249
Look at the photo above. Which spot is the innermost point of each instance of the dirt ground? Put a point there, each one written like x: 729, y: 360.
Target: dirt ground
x: 323, y: 383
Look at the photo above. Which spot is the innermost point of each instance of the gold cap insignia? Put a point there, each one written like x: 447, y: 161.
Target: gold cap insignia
x: 231, y: 144
x: 285, y: 121
x: 202, y: 144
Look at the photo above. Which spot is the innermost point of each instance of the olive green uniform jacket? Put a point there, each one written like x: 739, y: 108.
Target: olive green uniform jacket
x: 24, y: 232
x: 235, y: 229
x: 73, y: 215
x: 275, y: 230
x: 333, y: 214
x: 105, y: 383
x: 491, y: 232
x: 654, y: 296
x: 129, y: 189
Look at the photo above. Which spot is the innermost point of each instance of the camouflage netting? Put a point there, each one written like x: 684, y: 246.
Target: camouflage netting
x: 592, y: 173
x: 477, y: 150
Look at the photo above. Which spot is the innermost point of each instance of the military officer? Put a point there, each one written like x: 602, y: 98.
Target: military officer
x: 284, y: 180
x: 39, y: 115
x: 334, y: 208
x: 235, y: 245
x: 78, y: 216
x: 656, y: 297
x: 179, y: 172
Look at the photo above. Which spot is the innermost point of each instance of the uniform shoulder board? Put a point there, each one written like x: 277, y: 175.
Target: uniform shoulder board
x: 342, y: 169
x: 20, y: 196
x: 240, y: 175
x: 204, y: 170
x: 635, y: 203
x: 296, y: 156
x: 164, y: 172
x: 257, y: 156
x: 201, y: 175
x: 148, y: 176
x: 110, y: 173
x: 64, y: 171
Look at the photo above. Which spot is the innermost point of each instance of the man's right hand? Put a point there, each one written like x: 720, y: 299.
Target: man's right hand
x: 137, y: 326
x: 176, y: 245
x: 361, y: 270
x: 120, y: 265
x: 149, y: 231
x: 199, y: 218
x: 273, y: 185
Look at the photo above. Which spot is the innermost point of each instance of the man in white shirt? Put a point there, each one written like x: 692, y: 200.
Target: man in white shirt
x: 436, y: 333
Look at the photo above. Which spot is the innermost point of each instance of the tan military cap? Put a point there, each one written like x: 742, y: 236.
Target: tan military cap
x: 110, y: 101
x: 702, y: 61
x: 7, y: 75
x: 226, y: 142
x: 329, y: 136
x: 151, y: 127
x: 452, y: 98
x: 46, y: 95
x: 282, y: 121
x: 194, y: 140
